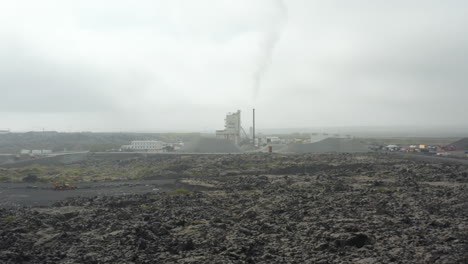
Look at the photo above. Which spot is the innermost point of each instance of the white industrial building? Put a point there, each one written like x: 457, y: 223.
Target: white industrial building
x: 145, y: 145
x: 36, y: 151
x: 274, y: 140
x: 232, y: 128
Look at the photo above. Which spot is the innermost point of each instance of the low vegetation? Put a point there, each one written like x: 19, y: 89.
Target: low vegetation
x: 8, y: 219
x: 179, y: 192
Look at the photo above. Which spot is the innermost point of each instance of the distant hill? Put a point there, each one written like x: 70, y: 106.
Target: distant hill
x: 376, y: 131
x: 58, y: 141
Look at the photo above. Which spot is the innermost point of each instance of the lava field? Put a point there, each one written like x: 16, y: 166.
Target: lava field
x: 310, y: 208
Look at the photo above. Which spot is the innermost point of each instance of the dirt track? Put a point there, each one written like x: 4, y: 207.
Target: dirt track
x: 431, y: 159
x: 24, y: 194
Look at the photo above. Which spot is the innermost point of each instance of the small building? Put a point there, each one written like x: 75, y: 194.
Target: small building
x: 392, y: 148
x: 273, y: 140
x: 145, y: 145
x: 39, y: 151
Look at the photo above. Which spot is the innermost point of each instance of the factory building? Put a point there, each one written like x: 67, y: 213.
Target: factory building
x: 145, y: 145
x: 36, y: 151
x: 152, y: 146
x: 232, y: 128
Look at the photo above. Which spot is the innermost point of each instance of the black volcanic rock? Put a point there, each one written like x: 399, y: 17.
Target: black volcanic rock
x: 357, y: 208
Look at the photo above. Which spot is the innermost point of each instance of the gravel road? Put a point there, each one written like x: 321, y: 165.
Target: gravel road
x: 24, y: 194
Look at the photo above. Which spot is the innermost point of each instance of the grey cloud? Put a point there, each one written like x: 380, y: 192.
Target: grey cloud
x: 31, y: 81
x: 183, y: 64
x: 34, y: 84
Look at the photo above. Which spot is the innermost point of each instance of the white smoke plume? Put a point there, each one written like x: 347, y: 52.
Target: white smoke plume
x: 267, y: 46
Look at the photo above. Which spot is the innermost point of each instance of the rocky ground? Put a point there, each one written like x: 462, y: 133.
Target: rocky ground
x: 321, y: 208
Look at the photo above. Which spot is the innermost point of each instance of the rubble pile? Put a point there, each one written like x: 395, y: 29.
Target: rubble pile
x: 329, y: 145
x: 461, y: 144
x: 333, y: 208
x: 210, y: 145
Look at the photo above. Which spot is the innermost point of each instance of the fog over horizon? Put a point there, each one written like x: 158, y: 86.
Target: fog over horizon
x: 178, y: 65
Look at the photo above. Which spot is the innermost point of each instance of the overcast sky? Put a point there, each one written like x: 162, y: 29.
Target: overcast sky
x: 154, y: 65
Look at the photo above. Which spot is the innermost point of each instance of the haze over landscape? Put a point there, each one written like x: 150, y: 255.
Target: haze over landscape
x: 181, y: 65
x: 234, y: 131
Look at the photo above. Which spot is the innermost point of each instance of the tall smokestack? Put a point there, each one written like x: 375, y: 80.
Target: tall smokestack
x: 253, y: 128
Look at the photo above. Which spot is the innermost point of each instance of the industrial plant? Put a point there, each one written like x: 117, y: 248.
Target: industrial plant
x: 233, y: 130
